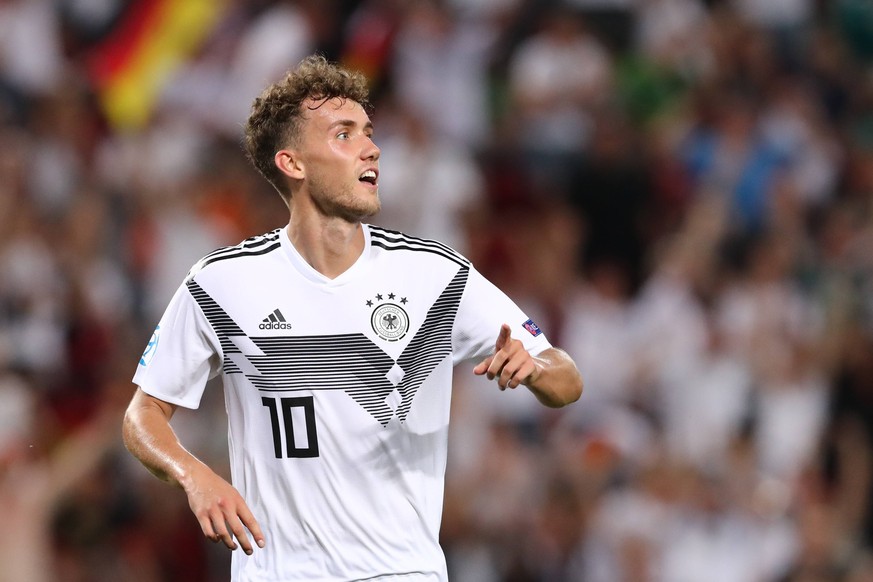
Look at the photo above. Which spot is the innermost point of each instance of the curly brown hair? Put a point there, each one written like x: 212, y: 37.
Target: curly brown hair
x: 276, y: 114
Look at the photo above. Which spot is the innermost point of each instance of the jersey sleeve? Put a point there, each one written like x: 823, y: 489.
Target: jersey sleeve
x: 182, y: 354
x: 483, y: 309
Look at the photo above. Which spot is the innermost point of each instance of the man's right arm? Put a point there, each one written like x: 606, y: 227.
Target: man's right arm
x: 220, y: 509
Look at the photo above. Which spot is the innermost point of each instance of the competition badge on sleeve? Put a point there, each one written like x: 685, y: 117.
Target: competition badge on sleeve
x: 151, y: 348
x: 533, y: 328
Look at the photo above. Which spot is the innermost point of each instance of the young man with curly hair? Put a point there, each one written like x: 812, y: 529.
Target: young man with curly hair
x: 335, y: 341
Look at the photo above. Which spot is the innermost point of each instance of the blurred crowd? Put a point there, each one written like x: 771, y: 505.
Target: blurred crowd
x: 679, y: 192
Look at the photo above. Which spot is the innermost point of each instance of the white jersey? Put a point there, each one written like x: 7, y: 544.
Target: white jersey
x: 337, y: 394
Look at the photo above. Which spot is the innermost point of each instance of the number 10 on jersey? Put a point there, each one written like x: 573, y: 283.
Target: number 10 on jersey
x: 294, y: 412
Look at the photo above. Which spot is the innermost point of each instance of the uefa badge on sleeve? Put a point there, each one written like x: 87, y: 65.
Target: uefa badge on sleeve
x: 151, y: 348
x: 533, y: 328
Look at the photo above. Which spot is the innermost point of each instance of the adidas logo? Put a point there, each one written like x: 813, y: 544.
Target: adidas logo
x: 275, y: 321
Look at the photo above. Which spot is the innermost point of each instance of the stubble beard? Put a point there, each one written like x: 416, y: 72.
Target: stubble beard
x: 344, y: 203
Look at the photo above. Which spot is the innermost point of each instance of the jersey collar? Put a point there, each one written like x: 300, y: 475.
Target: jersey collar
x: 306, y: 270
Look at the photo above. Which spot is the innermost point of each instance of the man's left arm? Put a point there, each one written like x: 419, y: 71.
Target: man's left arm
x: 552, y: 375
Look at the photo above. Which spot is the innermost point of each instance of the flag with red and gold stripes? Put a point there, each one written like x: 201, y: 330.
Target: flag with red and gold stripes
x: 151, y: 40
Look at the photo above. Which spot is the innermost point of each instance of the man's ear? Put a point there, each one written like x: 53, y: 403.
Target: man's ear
x: 289, y: 163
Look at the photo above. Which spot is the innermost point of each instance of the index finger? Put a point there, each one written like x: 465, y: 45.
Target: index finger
x: 505, y: 334
x: 251, y: 524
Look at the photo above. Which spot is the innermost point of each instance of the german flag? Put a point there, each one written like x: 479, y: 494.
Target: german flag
x: 132, y: 63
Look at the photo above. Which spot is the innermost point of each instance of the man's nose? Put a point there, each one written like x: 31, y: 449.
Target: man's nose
x: 371, y: 152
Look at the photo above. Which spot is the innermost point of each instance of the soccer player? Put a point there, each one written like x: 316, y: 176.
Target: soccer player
x: 335, y: 341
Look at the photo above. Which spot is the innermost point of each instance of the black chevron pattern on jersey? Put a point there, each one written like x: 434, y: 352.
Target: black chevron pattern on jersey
x: 432, y: 342
x: 349, y: 362
x: 221, y: 322
x: 393, y: 240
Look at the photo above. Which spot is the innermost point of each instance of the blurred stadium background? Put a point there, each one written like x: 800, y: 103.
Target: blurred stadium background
x: 680, y: 192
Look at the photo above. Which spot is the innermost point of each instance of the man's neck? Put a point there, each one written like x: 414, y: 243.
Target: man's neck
x: 330, y: 245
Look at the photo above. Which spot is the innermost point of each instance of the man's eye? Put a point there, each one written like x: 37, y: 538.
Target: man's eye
x: 342, y: 135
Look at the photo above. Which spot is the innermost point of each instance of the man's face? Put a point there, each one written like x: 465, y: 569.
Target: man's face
x: 340, y: 159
